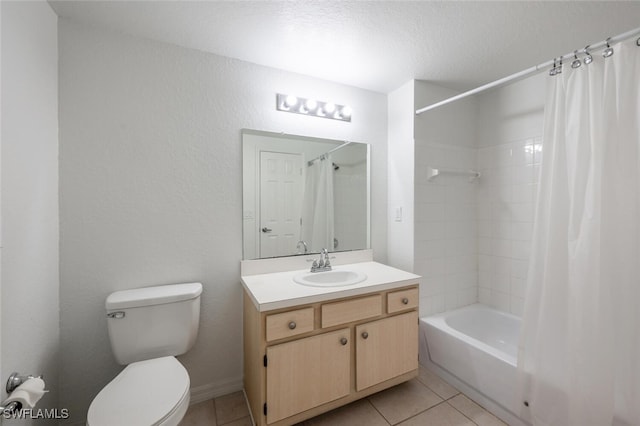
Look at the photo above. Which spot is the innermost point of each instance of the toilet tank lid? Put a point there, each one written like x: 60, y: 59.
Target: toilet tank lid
x: 156, y: 295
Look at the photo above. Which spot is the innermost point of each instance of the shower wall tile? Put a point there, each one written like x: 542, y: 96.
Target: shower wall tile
x: 506, y: 196
x: 446, y: 228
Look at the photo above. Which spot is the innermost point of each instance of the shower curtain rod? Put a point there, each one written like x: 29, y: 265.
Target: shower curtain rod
x: 529, y: 71
x: 320, y: 157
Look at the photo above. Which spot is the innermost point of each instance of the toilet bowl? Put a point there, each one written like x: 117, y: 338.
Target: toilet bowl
x: 152, y: 392
x: 148, y: 327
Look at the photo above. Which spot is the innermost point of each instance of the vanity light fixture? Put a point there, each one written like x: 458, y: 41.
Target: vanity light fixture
x: 298, y: 105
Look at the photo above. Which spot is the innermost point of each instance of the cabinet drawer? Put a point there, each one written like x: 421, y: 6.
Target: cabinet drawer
x: 351, y: 310
x: 289, y: 323
x: 402, y: 300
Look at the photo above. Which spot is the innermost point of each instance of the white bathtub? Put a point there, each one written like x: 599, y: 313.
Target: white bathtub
x: 475, y: 349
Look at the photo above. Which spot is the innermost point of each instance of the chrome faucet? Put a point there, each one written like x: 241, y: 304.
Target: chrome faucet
x: 304, y: 245
x: 323, y: 264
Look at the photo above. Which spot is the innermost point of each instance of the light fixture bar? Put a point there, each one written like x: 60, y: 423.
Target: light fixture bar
x: 311, y: 107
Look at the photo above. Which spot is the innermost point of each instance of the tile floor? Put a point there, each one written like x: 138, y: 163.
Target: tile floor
x: 424, y: 401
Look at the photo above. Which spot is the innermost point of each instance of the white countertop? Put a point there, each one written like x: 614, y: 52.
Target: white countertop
x: 277, y: 290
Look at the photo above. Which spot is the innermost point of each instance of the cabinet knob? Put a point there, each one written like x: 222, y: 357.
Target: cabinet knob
x: 292, y: 325
x: 343, y: 341
x: 365, y: 334
x: 405, y: 301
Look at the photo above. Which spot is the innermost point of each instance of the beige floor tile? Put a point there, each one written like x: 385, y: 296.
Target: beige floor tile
x: 436, y: 384
x: 357, y: 413
x: 403, y: 401
x: 245, y: 421
x: 231, y: 407
x: 475, y: 412
x: 440, y: 415
x: 201, y: 414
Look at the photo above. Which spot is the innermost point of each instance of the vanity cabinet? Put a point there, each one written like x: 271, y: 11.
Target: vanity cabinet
x: 304, y: 360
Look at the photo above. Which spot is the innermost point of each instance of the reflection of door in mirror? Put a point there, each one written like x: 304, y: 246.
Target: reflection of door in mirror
x: 281, y: 189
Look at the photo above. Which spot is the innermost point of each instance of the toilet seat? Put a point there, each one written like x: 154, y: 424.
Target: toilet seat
x: 150, y: 392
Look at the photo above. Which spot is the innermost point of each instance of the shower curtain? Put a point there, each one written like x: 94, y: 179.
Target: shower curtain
x: 317, y: 207
x: 579, y: 354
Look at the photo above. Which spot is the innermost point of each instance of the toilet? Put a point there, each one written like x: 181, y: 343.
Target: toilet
x: 148, y: 327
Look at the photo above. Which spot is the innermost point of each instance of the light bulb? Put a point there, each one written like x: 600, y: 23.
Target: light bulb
x: 329, y: 107
x: 346, y: 111
x: 290, y: 101
x: 311, y: 104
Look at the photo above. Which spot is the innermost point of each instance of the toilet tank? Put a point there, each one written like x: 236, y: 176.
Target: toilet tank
x: 152, y: 322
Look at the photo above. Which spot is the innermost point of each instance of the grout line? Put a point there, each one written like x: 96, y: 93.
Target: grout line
x: 434, y: 391
x: 453, y: 396
x: 241, y: 418
x: 215, y: 410
x: 470, y: 419
x: 378, y: 411
x: 423, y: 411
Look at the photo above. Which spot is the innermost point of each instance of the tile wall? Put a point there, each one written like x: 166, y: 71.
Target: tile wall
x: 506, y: 195
x: 473, y: 239
x: 445, y: 229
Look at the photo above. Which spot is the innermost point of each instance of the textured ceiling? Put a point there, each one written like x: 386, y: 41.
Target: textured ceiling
x: 373, y: 45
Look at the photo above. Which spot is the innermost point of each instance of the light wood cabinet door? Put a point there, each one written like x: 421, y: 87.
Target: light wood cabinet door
x: 386, y: 348
x: 308, y: 372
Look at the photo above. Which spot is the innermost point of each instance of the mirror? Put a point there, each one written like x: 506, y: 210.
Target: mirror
x: 302, y: 194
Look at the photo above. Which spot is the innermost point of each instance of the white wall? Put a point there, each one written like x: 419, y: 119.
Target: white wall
x: 400, y: 233
x: 150, y: 188
x: 445, y: 213
x: 29, y: 167
x: 509, y: 154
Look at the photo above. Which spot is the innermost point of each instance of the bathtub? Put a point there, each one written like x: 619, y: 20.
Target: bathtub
x: 475, y: 349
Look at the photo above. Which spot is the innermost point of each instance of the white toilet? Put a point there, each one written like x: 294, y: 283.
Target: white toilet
x: 147, y: 328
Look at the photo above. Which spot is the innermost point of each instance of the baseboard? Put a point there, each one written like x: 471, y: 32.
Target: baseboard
x: 216, y: 389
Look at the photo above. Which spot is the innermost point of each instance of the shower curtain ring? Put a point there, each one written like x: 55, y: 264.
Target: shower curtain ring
x: 576, y: 62
x: 553, y: 71
x: 609, y: 50
x: 587, y: 58
x: 560, y: 66
x: 638, y: 42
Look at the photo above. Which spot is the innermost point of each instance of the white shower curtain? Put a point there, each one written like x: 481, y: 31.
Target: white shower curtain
x: 317, y: 207
x: 579, y: 357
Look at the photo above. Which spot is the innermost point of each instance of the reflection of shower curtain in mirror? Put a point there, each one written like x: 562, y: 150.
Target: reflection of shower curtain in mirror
x: 317, y: 207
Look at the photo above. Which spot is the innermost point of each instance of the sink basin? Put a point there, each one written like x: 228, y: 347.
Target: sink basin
x: 337, y: 278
